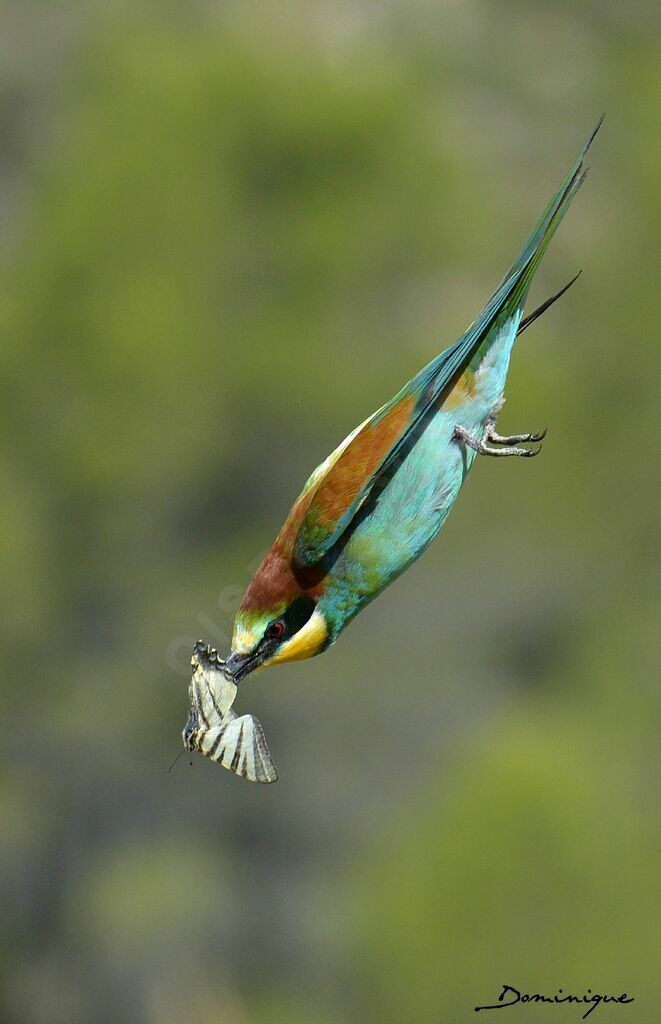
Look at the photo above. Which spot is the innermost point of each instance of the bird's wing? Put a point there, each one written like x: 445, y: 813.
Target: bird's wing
x: 376, y: 446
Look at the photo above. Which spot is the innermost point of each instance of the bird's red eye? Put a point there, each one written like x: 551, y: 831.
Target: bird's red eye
x: 275, y: 630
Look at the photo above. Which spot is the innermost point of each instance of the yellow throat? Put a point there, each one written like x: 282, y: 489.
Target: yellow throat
x: 310, y: 640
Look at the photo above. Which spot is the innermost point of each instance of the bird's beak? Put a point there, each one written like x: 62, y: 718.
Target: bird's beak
x: 238, y: 666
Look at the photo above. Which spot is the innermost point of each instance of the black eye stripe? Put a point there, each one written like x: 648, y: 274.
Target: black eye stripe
x: 293, y: 619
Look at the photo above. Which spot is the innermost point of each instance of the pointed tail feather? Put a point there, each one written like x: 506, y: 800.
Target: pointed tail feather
x: 513, y: 289
x: 507, y: 302
x: 536, y: 313
x: 538, y: 242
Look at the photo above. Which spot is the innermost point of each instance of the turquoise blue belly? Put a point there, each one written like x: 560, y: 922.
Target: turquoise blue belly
x: 408, y: 513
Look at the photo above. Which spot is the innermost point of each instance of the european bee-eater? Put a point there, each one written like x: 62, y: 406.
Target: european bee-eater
x: 371, y: 508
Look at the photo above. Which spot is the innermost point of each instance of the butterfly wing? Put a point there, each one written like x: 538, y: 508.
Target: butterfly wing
x: 211, y: 691
x: 213, y: 729
x: 239, y: 745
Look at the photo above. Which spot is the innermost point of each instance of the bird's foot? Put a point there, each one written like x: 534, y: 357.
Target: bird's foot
x: 508, y: 444
x: 511, y: 439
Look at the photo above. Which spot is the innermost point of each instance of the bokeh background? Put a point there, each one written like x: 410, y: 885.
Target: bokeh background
x: 228, y: 232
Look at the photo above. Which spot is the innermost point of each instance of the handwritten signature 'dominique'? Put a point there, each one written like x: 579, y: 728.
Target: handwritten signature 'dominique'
x: 511, y: 996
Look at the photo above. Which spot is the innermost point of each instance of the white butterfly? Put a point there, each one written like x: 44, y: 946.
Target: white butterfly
x: 213, y: 729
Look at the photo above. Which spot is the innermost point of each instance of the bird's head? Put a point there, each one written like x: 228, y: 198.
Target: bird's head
x: 290, y: 632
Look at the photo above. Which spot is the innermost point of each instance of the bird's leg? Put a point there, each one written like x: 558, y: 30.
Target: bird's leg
x: 460, y: 434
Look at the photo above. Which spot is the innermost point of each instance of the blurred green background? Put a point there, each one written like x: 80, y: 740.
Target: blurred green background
x: 228, y: 232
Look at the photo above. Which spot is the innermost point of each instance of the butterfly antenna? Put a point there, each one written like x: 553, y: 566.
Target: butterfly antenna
x: 175, y: 761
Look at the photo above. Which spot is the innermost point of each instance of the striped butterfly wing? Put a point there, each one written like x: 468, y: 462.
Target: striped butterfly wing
x: 240, y: 745
x: 213, y: 729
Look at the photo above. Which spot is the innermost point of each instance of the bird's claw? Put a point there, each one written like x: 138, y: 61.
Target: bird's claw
x: 507, y: 444
x: 513, y: 439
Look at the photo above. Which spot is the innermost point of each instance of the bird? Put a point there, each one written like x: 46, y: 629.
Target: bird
x: 373, y: 507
